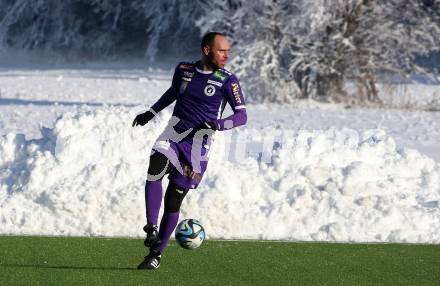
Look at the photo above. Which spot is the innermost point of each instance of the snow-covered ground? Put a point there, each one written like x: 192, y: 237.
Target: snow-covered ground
x: 71, y: 164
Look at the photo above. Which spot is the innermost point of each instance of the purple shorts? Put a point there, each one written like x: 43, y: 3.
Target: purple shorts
x: 188, y: 157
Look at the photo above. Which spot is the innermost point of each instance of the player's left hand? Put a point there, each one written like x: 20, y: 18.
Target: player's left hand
x: 205, y: 126
x: 209, y: 126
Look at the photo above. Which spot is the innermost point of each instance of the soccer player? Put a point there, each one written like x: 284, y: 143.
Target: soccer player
x: 200, y: 90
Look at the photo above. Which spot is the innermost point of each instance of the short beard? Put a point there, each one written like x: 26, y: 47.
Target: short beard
x: 211, y: 62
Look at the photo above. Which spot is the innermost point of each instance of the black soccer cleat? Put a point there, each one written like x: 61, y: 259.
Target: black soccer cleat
x: 152, y: 235
x: 151, y: 261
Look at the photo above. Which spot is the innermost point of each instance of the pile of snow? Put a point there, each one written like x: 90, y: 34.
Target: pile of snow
x: 86, y: 177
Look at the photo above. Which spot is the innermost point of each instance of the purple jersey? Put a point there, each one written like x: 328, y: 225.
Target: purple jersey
x: 201, y: 97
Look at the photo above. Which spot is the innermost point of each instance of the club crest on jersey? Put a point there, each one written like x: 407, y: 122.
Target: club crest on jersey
x: 209, y: 90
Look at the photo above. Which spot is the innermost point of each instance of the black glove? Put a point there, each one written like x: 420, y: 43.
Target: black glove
x: 143, y: 118
x: 208, y: 125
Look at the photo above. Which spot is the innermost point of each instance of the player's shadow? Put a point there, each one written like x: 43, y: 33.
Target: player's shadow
x: 67, y: 267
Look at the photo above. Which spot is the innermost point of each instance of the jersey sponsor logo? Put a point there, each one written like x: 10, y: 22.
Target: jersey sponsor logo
x: 219, y: 84
x: 218, y: 74
x: 188, y: 74
x: 235, y: 91
x: 209, y: 90
x: 185, y: 67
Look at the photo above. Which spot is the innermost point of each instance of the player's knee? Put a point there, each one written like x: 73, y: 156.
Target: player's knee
x: 174, y: 198
x: 158, y: 166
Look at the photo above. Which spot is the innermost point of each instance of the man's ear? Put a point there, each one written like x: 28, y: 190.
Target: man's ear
x: 206, y: 50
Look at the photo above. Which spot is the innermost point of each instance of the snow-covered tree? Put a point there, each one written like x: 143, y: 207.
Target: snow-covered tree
x: 302, y: 48
x: 282, y: 49
x: 260, y: 41
x: 95, y: 27
x: 171, y: 29
x: 358, y: 40
x: 101, y: 27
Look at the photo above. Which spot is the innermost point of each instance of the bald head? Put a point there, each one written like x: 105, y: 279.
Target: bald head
x: 215, y: 49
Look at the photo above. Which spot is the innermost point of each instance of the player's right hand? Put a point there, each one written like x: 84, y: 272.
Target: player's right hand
x: 143, y: 118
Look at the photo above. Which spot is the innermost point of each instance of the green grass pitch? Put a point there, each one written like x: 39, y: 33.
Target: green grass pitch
x: 26, y: 260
